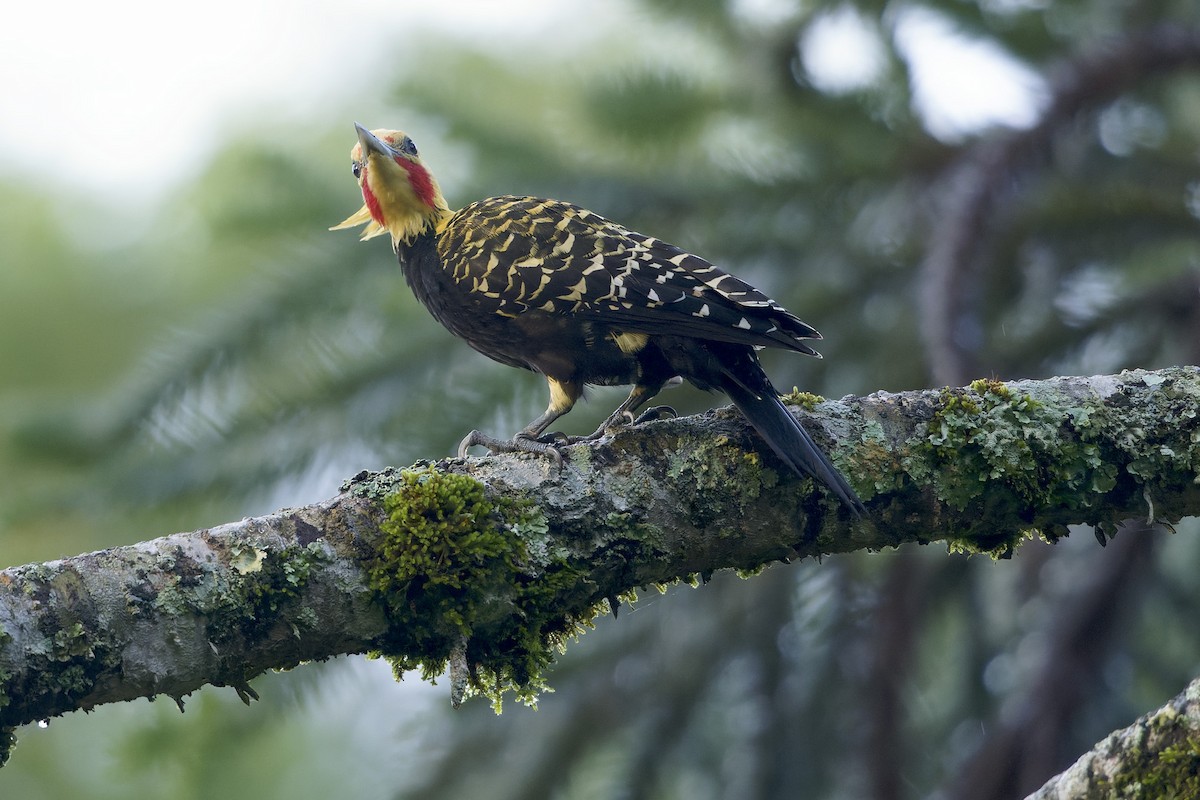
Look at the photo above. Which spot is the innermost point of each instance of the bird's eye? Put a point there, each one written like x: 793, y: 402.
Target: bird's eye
x: 357, y: 169
x: 406, y: 146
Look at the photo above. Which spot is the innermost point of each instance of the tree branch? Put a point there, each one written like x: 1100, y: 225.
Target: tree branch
x: 488, y: 564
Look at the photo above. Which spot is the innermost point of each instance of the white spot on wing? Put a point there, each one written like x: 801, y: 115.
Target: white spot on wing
x: 566, y: 244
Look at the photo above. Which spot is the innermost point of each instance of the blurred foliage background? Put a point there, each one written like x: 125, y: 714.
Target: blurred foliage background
x: 227, y: 356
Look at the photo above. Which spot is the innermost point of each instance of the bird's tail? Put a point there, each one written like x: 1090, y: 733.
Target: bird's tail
x: 771, y: 418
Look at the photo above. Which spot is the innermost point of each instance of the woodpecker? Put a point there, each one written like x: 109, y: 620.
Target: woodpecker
x: 551, y: 287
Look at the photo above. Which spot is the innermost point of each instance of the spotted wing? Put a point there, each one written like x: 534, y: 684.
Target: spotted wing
x: 518, y: 255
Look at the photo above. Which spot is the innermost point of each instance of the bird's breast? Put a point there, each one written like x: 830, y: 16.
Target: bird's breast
x: 552, y: 342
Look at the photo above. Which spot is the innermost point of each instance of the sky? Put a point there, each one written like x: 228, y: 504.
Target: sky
x: 123, y: 95
x: 122, y: 98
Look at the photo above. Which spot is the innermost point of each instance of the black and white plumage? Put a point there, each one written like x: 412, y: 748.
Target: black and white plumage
x: 554, y: 288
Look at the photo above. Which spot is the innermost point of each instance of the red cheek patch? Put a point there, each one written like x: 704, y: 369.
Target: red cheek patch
x: 419, y: 179
x: 372, y: 202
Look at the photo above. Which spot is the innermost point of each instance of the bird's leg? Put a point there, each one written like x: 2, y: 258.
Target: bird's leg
x: 660, y: 412
x: 624, y: 414
x: 530, y: 439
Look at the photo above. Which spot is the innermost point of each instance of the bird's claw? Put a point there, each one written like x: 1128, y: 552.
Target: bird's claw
x: 556, y: 438
x: 477, y: 438
x: 550, y: 444
x: 521, y: 443
x: 544, y: 445
x: 656, y: 413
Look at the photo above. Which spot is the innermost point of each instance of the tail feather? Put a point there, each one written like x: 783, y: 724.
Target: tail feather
x: 783, y: 432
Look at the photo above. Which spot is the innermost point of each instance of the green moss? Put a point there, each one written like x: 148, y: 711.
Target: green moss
x: 1168, y: 771
x: 991, y: 386
x: 453, y: 566
x: 806, y: 400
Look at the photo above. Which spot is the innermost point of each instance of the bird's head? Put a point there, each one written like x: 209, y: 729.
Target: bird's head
x: 400, y: 196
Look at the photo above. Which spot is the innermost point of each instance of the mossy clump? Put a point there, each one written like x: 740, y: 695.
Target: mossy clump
x: 991, y: 386
x: 1169, y: 771
x: 806, y: 400
x: 453, y: 566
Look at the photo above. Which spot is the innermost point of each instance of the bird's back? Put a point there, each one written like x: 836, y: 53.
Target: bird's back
x: 519, y: 256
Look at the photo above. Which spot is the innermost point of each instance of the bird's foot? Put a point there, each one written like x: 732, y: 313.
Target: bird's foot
x: 521, y: 443
x: 656, y: 413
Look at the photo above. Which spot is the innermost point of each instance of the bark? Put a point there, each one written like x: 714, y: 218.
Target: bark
x: 979, y: 467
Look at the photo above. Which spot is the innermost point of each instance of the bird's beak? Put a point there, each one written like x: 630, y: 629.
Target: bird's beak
x: 370, y: 143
